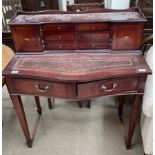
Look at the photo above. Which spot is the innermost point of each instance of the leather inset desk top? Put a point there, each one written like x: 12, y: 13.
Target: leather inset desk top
x: 77, y: 66
x: 72, y: 65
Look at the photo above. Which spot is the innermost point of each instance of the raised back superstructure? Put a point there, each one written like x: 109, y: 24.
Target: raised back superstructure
x: 103, y: 30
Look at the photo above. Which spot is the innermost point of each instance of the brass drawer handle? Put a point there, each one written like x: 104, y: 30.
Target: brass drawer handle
x: 45, y: 90
x: 104, y: 88
x: 58, y: 27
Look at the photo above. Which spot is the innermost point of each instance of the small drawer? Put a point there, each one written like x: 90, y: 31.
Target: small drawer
x: 93, y: 27
x: 93, y: 45
x: 101, y: 88
x: 94, y: 36
x: 44, y: 88
x: 60, y: 46
x: 60, y: 37
x: 57, y: 28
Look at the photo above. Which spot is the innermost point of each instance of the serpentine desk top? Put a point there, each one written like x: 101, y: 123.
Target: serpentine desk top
x: 77, y: 67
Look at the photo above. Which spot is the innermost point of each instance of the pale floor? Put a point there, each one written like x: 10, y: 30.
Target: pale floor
x: 69, y: 130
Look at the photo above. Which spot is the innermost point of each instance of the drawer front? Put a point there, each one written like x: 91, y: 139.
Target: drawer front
x: 60, y: 46
x: 58, y: 28
x: 27, y: 38
x: 93, y: 27
x: 44, y: 88
x: 94, y: 36
x: 127, y: 36
x: 60, y: 37
x: 93, y: 45
x: 107, y: 87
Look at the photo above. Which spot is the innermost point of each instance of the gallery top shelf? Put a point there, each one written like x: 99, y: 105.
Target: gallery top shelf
x: 56, y: 16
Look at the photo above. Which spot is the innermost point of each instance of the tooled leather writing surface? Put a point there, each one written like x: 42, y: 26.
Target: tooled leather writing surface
x: 78, y: 66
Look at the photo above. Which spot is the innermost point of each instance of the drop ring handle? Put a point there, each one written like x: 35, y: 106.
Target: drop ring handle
x: 104, y: 88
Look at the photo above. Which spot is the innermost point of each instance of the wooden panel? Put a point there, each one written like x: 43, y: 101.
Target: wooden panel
x: 112, y: 87
x: 50, y: 28
x: 29, y: 5
x: 93, y: 45
x: 85, y: 7
x: 149, y: 24
x: 87, y: 1
x: 44, y: 88
x: 60, y: 46
x: 27, y: 38
x: 127, y: 36
x: 93, y: 27
x: 145, y: 3
x: 60, y: 37
x: 90, y: 36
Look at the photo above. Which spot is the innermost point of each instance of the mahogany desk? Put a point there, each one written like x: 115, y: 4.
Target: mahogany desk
x: 77, y: 56
x: 76, y: 76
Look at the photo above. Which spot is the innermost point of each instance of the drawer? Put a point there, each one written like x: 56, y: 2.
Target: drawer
x: 106, y: 87
x: 58, y: 28
x: 60, y: 37
x: 27, y: 38
x: 93, y: 45
x: 44, y: 88
x: 127, y: 36
x: 93, y: 27
x: 60, y: 46
x: 94, y: 36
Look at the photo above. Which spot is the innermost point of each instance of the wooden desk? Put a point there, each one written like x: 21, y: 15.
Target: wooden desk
x: 77, y: 76
x: 77, y: 56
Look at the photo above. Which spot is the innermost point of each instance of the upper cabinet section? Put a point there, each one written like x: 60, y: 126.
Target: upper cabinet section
x: 59, y: 30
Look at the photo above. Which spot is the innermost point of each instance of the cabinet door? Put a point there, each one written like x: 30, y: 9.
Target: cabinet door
x: 27, y: 38
x: 127, y: 36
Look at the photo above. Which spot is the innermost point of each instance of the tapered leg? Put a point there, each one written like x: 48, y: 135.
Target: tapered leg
x: 50, y: 103
x: 88, y: 104
x: 120, y: 105
x: 133, y: 119
x: 39, y: 110
x: 80, y: 104
x: 17, y: 102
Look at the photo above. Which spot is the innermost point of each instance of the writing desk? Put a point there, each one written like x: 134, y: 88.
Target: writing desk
x: 76, y: 76
x: 77, y: 55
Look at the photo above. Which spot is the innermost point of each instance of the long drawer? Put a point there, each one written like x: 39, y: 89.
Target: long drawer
x: 44, y: 88
x: 49, y: 28
x: 60, y: 46
x: 93, y: 36
x: 103, y: 45
x: 106, y: 87
x: 60, y: 37
x: 93, y: 26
